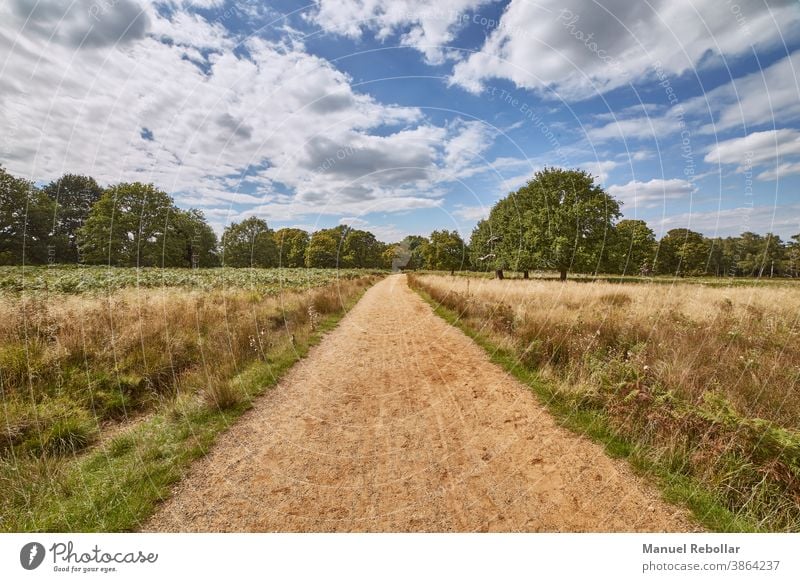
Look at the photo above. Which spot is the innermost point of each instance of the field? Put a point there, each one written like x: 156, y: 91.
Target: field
x: 697, y: 384
x: 111, y: 380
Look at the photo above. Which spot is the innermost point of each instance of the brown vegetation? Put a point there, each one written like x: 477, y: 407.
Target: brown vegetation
x: 705, y: 379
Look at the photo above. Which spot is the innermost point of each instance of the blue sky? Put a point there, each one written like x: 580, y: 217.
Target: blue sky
x: 404, y: 116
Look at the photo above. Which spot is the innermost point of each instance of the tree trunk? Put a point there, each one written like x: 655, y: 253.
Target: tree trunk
x: 563, y: 274
x: 452, y: 272
x: 525, y: 275
x: 499, y: 273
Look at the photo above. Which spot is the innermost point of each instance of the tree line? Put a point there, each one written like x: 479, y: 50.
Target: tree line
x: 74, y: 220
x: 561, y: 220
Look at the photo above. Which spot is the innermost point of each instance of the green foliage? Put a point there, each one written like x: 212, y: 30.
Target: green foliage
x: 26, y: 216
x: 135, y: 225
x: 324, y: 250
x: 73, y: 196
x: 249, y: 243
x: 361, y: 250
x: 683, y: 252
x: 291, y: 243
x: 445, y: 251
x: 633, y: 248
x: 559, y: 220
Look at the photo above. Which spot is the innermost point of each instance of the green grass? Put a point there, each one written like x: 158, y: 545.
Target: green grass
x: 117, y: 485
x: 79, y: 279
x: 708, y: 508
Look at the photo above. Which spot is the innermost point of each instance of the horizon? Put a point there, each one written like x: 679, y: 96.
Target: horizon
x: 415, y: 119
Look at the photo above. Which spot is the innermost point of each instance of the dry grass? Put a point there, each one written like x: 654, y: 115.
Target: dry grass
x: 72, y: 364
x: 706, y: 377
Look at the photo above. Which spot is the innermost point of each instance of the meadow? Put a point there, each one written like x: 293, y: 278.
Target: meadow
x: 696, y: 384
x: 112, y: 380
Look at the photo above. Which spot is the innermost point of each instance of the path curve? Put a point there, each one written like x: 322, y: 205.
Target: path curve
x: 397, y: 421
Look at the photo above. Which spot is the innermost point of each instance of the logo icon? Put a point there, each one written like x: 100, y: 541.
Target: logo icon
x: 31, y: 555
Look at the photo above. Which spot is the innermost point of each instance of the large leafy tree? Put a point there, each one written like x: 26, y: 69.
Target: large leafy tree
x: 249, y: 243
x: 361, y: 249
x: 484, y: 246
x: 199, y: 238
x: 325, y: 246
x: 291, y: 243
x: 560, y: 220
x: 134, y: 225
x: 634, y: 247
x: 793, y: 257
x: 445, y: 251
x: 73, y: 196
x: 25, y: 222
x: 683, y: 252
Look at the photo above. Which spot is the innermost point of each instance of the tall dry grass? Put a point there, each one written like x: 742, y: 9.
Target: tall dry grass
x: 71, y: 365
x: 707, y: 379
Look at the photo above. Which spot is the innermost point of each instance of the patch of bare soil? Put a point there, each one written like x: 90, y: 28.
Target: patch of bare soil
x: 397, y: 421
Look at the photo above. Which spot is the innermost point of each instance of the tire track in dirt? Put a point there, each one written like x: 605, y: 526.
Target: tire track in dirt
x: 397, y: 421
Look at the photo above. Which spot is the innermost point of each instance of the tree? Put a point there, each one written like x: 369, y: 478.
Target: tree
x: 73, y: 196
x: 25, y: 214
x: 200, y: 239
x: 134, y: 225
x: 560, y: 220
x: 446, y: 251
x: 683, y: 252
x: 291, y: 243
x: 634, y: 247
x: 484, y: 246
x: 324, y: 248
x: 792, y: 267
x: 361, y: 249
x: 249, y: 243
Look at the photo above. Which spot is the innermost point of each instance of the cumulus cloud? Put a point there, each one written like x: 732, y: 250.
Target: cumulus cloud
x: 82, y: 23
x: 269, y: 128
x: 656, y: 192
x: 579, y: 49
x: 780, y: 220
x: 758, y: 149
x: 426, y: 26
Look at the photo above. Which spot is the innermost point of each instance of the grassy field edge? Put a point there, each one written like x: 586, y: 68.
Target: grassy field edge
x: 118, y: 485
x: 676, y: 488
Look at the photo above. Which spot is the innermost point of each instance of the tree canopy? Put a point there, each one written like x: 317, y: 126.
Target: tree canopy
x: 559, y: 220
x: 73, y: 196
x: 249, y: 243
x: 291, y: 243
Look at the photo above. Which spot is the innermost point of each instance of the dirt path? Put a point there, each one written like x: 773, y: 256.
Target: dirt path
x: 398, y: 422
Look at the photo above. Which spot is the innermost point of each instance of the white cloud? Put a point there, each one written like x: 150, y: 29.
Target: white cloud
x: 579, y: 48
x: 472, y: 213
x: 757, y: 149
x: 780, y: 171
x: 599, y: 169
x: 426, y: 26
x: 763, y: 97
x: 279, y: 131
x: 780, y: 220
x: 655, y: 192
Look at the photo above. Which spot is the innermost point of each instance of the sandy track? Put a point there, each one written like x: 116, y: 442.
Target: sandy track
x: 398, y: 422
